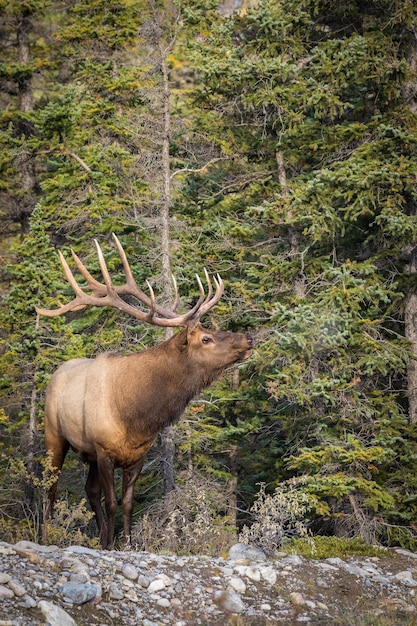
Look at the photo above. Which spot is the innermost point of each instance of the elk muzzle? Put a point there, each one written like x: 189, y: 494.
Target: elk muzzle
x: 245, y: 354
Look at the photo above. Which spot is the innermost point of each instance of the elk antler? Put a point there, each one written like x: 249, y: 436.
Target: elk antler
x: 110, y: 295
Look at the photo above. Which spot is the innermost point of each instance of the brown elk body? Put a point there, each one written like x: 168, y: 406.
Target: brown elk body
x: 110, y: 409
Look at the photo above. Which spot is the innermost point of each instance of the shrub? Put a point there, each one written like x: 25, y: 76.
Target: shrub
x: 277, y: 517
x: 191, y: 519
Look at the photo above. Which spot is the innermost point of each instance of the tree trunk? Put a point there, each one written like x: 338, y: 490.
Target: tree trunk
x: 168, y: 434
x: 233, y: 468
x: 25, y: 158
x: 282, y: 178
x: 233, y: 485
x: 409, y: 93
x: 25, y: 204
x: 410, y: 321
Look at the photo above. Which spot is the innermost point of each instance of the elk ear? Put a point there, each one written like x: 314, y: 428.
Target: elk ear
x: 183, y: 338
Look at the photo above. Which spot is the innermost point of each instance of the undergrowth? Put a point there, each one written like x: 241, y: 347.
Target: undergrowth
x: 321, y: 547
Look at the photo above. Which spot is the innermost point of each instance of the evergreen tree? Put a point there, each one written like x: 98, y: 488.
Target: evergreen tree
x: 314, y: 194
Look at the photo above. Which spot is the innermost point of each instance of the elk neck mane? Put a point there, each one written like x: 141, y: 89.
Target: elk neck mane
x: 166, y: 367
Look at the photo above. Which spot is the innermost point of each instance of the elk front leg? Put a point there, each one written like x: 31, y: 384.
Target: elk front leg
x: 130, y: 476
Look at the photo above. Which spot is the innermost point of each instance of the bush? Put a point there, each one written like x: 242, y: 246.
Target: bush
x: 21, y: 516
x: 69, y: 525
x: 277, y: 517
x: 191, y: 519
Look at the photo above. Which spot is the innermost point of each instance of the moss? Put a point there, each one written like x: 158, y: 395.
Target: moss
x: 320, y: 547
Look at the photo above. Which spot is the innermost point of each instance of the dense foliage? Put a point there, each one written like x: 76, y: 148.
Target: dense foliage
x: 293, y: 157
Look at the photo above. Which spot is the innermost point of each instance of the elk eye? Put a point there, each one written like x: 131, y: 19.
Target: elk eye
x: 207, y: 339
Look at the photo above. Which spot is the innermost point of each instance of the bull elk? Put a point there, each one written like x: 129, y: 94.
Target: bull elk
x: 110, y: 409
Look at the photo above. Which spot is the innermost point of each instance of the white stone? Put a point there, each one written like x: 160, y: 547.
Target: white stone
x: 297, y: 598
x: 31, y: 545
x: 229, y: 600
x: 156, y: 585
x: 406, y: 577
x: 269, y: 575
x: 4, y: 578
x: 237, y: 584
x: 6, y: 593
x: 54, y: 615
x: 253, y: 573
x: 130, y: 572
x: 18, y: 589
x: 166, y: 579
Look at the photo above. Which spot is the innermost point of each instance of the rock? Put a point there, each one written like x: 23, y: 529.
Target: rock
x: 115, y: 593
x: 54, y: 615
x: 269, y: 575
x: 406, y: 577
x: 237, y: 584
x: 18, y: 589
x: 78, y: 593
x: 228, y: 600
x: 83, y: 550
x: 291, y: 560
x: 165, y: 579
x: 143, y: 581
x: 131, y: 595
x: 6, y: 593
x: 244, y: 552
x: 156, y: 585
x: 407, y: 553
x: 129, y: 571
x: 31, y: 555
x: 4, y: 578
x: 297, y: 598
x: 31, y: 545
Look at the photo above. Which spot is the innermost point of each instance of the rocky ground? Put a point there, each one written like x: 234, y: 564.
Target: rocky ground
x: 79, y: 586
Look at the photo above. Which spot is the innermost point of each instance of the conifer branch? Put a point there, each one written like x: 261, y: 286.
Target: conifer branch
x: 80, y: 161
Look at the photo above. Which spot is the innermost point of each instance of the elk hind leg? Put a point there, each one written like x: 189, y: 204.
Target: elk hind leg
x: 93, y: 491
x: 105, y: 482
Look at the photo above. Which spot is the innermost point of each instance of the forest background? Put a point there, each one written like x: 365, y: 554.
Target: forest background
x: 273, y: 142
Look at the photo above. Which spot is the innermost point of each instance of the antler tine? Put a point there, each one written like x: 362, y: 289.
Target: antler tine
x: 93, y: 284
x: 210, y: 287
x: 104, y: 270
x: 176, y: 297
x: 126, y: 267
x: 210, y: 300
x: 151, y: 313
x: 70, y: 276
x: 79, y: 301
